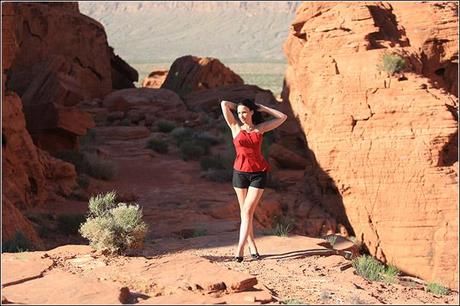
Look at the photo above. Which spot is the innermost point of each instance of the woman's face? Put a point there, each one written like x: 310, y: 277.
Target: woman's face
x: 245, y: 114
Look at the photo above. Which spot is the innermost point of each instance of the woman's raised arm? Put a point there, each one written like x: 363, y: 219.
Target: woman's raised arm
x: 273, y: 123
x: 227, y: 108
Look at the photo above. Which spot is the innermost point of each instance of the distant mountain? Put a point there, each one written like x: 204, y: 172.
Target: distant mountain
x: 238, y: 31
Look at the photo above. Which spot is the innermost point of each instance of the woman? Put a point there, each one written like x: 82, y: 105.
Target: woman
x: 250, y: 167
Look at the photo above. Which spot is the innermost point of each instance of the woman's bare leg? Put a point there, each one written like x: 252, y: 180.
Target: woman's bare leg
x: 241, y: 194
x: 250, y: 202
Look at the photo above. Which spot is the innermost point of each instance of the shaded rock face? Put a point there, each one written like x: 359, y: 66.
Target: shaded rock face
x: 57, y: 58
x: 387, y: 146
x: 209, y: 100
x: 30, y: 175
x: 191, y: 73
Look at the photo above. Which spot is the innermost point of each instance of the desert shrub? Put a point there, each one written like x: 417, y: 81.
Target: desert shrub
x: 158, y: 145
x: 190, y: 150
x: 267, y: 142
x: 281, y: 226
x: 100, y: 204
x: 392, y: 63
x: 291, y: 302
x: 69, y: 223
x: 125, y: 122
x: 368, y: 267
x: 389, y: 274
x: 19, y: 243
x: 165, y: 126
x: 213, y: 162
x: 78, y: 159
x: 100, y: 168
x: 181, y: 134
x: 331, y: 239
x: 218, y: 175
x: 112, y: 227
x: 437, y: 289
x: 88, y: 141
x: 83, y: 181
x: 206, y: 137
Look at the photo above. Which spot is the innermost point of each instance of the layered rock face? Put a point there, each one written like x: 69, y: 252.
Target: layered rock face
x: 59, y: 57
x: 191, y: 73
x: 388, y: 146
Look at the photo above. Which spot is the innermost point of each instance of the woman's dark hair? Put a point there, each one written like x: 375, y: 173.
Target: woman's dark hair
x: 257, y: 116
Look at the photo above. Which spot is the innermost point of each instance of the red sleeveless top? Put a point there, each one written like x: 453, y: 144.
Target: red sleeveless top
x: 249, y: 157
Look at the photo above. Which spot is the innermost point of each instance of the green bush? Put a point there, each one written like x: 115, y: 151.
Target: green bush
x: 100, y: 168
x: 437, y: 289
x: 83, y: 181
x: 207, y: 137
x: 218, y: 175
x: 213, y: 162
x: 281, y: 226
x: 125, y: 122
x: 19, y: 243
x: 389, y: 274
x: 291, y: 302
x: 165, y: 126
x: 88, y: 141
x: 112, y: 227
x: 393, y: 63
x: 368, y: 267
x: 100, y: 204
x: 190, y: 150
x: 158, y: 145
x: 181, y: 134
x: 70, y: 223
x: 76, y: 158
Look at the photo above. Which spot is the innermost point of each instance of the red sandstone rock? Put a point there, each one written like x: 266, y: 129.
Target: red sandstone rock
x: 191, y: 73
x: 155, y: 78
x: 389, y: 146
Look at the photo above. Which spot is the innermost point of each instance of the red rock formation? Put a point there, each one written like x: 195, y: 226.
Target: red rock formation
x: 155, y: 79
x: 157, y: 103
x: 388, y: 146
x: 123, y: 75
x: 209, y: 100
x: 191, y: 73
x: 59, y: 57
x: 30, y: 175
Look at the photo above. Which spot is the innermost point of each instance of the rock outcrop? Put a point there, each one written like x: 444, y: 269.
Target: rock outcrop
x: 388, y: 147
x: 59, y: 57
x: 155, y: 78
x: 191, y: 73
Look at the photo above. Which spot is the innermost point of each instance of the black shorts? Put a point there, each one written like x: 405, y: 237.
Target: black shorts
x: 246, y: 179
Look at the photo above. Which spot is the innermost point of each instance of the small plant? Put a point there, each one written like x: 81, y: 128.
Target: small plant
x: 88, y: 141
x: 213, y: 162
x: 291, y: 302
x: 125, y: 122
x: 218, y: 175
x: 282, y: 226
x: 99, y: 205
x: 70, y: 223
x: 191, y: 150
x: 200, y: 232
x: 368, y: 267
x: 392, y: 63
x: 112, y: 227
x: 182, y: 134
x: 100, y: 168
x: 165, y: 126
x: 331, y: 239
x: 158, y: 145
x: 76, y: 158
x: 19, y: 243
x: 390, y: 273
x: 83, y: 181
x: 437, y: 289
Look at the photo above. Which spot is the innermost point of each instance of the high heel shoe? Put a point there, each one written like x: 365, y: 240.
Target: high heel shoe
x: 238, y: 258
x: 255, y: 256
